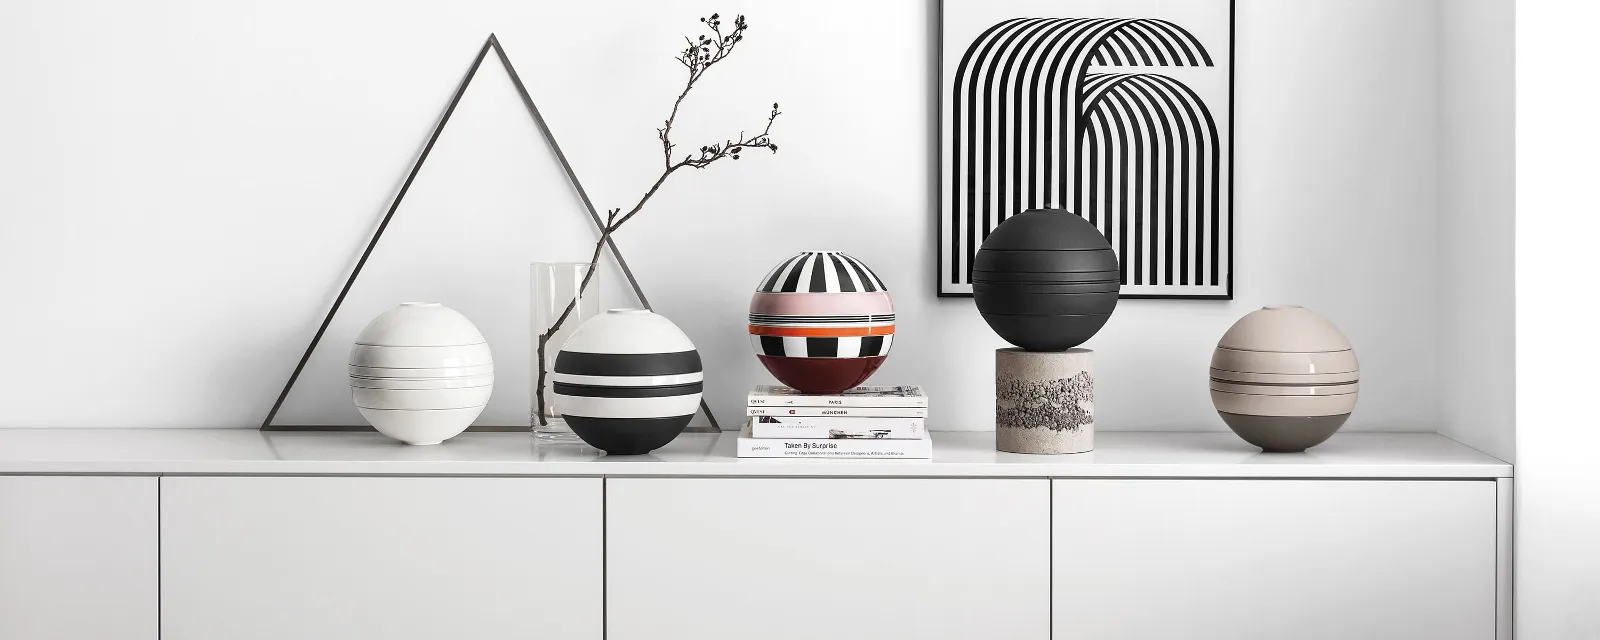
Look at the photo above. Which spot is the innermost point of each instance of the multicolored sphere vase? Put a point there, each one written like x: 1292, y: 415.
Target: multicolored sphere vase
x: 821, y: 322
x: 628, y: 381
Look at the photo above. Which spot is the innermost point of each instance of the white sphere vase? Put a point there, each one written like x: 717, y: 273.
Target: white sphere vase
x: 421, y: 373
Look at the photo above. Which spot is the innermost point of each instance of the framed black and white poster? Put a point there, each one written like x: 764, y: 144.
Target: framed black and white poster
x: 1119, y: 111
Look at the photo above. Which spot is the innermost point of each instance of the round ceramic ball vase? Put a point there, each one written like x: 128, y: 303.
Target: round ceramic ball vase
x: 821, y: 322
x: 421, y: 373
x: 1046, y: 280
x: 628, y: 381
x: 1284, y: 378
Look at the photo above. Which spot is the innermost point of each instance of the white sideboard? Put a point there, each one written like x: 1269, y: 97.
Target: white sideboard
x: 268, y: 558
x: 78, y: 558
x: 1227, y: 559
x: 837, y: 558
x: 180, y: 534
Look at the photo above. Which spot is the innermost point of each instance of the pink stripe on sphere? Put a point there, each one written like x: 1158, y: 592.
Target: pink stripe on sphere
x: 819, y: 304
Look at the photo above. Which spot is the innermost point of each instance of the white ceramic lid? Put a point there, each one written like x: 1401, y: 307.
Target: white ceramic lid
x: 420, y: 324
x: 628, y: 331
x: 1284, y: 328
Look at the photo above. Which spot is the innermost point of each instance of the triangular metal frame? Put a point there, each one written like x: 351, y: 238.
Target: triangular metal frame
x: 493, y: 43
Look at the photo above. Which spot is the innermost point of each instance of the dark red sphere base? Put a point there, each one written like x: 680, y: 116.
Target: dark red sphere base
x: 821, y: 375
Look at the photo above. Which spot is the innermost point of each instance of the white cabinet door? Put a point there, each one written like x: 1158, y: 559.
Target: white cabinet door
x: 1274, y: 559
x: 78, y: 558
x: 835, y: 558
x: 396, y: 558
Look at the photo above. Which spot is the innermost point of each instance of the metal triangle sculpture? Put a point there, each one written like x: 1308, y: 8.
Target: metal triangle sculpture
x: 492, y: 44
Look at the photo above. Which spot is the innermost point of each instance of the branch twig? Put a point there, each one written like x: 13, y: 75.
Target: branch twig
x: 698, y: 56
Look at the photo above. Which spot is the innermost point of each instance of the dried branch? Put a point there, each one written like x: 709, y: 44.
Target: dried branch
x: 697, y: 57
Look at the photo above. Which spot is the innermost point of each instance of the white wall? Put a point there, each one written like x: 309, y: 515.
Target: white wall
x: 186, y: 182
x: 1477, y: 173
x: 1558, y: 489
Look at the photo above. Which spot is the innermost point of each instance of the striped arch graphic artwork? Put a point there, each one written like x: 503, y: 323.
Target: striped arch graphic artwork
x: 1123, y: 119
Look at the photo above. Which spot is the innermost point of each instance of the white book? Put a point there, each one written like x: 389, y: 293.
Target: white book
x: 750, y: 447
x: 778, y: 396
x: 837, y: 428
x: 843, y: 412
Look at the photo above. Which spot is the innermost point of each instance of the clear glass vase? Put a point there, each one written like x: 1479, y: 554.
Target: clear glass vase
x: 555, y: 286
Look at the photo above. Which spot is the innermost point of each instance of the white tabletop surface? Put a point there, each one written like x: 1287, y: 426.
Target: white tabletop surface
x: 1127, y: 454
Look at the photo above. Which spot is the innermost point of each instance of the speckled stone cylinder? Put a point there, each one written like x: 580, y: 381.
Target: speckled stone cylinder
x: 1044, y: 401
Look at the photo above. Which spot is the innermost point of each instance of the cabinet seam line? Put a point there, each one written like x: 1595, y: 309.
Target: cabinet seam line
x: 159, y: 579
x: 605, y: 551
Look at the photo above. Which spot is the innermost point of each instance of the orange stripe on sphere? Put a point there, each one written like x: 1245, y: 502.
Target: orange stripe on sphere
x: 823, y: 332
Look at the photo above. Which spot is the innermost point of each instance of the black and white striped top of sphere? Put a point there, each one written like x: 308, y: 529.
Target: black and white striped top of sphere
x: 628, y: 381
x: 821, y: 272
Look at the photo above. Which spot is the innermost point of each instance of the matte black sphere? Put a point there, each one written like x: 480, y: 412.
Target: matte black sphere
x: 1046, y: 280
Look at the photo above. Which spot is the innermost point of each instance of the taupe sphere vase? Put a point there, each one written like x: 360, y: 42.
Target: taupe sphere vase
x: 1046, y: 280
x: 1284, y: 378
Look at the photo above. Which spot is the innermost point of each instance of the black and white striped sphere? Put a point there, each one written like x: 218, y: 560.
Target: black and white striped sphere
x: 628, y: 381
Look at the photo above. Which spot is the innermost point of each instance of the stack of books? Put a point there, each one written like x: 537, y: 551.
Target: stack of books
x: 864, y: 422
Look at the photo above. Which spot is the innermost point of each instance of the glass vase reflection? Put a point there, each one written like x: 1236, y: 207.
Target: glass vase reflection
x: 556, y: 286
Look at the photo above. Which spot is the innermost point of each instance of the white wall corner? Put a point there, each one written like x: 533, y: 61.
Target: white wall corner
x: 1476, y: 222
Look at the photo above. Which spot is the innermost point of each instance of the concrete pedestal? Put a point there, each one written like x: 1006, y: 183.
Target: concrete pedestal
x: 1044, y: 401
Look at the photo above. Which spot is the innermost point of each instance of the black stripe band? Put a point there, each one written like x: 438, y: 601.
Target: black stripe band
x: 772, y: 346
x: 791, y: 284
x: 628, y: 364
x: 819, y: 278
x: 871, y: 346
x: 595, y: 391
x: 845, y: 284
x: 868, y: 278
x: 822, y: 347
x: 772, y: 278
